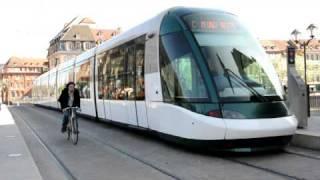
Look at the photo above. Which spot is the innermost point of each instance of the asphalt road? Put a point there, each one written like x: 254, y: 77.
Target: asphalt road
x: 105, y: 151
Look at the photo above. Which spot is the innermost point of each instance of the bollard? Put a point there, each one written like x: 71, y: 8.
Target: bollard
x: 297, y: 91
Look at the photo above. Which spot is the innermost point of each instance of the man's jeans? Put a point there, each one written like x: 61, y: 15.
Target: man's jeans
x: 65, y: 118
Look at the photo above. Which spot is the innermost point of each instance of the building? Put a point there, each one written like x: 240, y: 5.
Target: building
x: 276, y: 48
x: 77, y: 36
x: 17, y: 76
x: 277, y: 52
x: 1, y: 83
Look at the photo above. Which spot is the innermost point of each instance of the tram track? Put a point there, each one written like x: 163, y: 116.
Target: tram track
x: 285, y: 151
x: 66, y: 171
x: 164, y: 171
x: 263, y: 169
x: 134, y: 157
x: 227, y: 159
x: 176, y: 177
x: 234, y: 160
x: 305, y: 155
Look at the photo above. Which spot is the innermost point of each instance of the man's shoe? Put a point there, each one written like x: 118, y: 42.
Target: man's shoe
x: 63, y: 129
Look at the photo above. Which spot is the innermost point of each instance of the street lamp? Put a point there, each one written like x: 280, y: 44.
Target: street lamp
x: 304, y: 44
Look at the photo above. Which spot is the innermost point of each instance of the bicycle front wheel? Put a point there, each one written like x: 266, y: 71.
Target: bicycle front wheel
x: 68, y: 132
x: 69, y: 129
x: 75, y: 132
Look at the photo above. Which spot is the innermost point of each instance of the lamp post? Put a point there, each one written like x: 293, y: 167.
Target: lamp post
x: 304, y: 44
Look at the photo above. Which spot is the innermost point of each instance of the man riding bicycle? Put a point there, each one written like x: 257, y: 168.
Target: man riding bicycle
x: 69, y: 98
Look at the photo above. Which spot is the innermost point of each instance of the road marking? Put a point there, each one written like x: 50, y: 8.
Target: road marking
x: 14, y: 155
x: 10, y: 136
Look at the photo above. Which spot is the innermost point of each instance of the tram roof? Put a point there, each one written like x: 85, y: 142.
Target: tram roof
x: 150, y: 26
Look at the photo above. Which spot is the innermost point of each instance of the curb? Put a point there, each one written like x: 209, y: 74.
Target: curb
x: 306, y: 139
x: 19, y: 164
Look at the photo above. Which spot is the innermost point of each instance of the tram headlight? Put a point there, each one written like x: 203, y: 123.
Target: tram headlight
x: 232, y: 114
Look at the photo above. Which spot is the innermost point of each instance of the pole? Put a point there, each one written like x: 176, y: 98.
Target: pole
x: 305, y: 76
x: 305, y: 63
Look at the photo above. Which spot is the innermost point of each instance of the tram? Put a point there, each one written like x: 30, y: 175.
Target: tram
x: 193, y: 76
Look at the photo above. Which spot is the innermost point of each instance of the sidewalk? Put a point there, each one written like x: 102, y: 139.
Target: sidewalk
x: 309, y: 137
x: 16, y: 162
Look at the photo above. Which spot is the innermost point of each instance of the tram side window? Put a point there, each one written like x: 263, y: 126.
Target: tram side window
x: 116, y: 80
x: 41, y: 88
x: 140, y: 95
x: 103, y: 74
x: 33, y: 92
x: 82, y: 76
x: 101, y: 63
x: 52, y: 84
x: 130, y: 72
x: 70, y: 75
x: 62, y: 80
x: 38, y: 89
x: 44, y: 86
x: 180, y: 75
x: 121, y: 72
x: 64, y: 77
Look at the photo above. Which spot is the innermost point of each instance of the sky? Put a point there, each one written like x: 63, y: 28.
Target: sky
x: 27, y: 26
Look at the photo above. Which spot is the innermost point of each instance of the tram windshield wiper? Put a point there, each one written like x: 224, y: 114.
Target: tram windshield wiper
x: 251, y: 89
x: 229, y: 72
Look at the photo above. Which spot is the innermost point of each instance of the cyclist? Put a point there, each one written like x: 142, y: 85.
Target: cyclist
x: 69, y: 98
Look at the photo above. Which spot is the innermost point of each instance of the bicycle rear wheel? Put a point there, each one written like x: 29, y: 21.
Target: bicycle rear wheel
x: 75, y: 132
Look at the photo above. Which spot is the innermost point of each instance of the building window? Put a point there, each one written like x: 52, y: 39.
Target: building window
x: 78, y: 45
x: 71, y: 45
x: 62, y: 46
x: 57, y: 61
x: 88, y: 45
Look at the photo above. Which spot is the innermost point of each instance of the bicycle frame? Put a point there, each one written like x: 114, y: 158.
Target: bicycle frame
x: 72, y: 127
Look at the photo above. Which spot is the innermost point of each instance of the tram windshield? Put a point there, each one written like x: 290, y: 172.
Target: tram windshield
x: 237, y: 63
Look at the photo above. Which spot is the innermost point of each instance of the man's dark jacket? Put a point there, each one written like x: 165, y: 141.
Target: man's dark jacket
x: 64, y: 98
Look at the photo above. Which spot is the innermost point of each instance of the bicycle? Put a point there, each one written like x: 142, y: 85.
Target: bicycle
x: 72, y: 127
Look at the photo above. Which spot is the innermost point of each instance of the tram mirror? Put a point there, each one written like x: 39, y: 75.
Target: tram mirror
x: 150, y: 36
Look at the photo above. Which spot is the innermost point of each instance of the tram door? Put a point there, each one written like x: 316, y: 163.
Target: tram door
x: 136, y: 106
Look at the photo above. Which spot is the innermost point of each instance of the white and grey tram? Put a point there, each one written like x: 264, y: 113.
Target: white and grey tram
x: 195, y: 76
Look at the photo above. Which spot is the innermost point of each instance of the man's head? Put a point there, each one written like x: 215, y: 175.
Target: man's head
x: 70, y: 86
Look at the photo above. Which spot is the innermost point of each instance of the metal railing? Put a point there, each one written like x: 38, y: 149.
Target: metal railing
x: 314, y: 100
